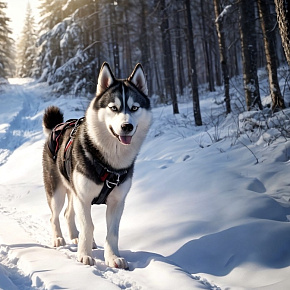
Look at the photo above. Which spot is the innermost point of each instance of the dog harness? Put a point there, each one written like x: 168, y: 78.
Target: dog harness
x: 110, y: 178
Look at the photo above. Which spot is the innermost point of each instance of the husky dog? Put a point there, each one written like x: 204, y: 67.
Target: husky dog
x: 91, y: 160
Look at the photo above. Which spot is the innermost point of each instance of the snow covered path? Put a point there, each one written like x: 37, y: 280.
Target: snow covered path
x: 200, y: 214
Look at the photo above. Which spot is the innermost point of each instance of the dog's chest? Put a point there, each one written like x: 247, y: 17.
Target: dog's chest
x: 86, y: 189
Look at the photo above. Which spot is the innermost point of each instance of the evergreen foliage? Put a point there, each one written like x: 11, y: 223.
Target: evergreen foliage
x: 26, y: 50
x: 6, y: 44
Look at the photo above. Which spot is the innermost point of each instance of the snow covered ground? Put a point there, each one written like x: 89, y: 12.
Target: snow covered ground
x: 209, y: 207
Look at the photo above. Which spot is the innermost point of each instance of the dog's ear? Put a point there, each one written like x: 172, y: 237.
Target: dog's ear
x: 138, y: 79
x: 105, y: 79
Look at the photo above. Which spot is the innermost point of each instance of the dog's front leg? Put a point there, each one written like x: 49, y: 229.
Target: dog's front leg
x: 115, y: 206
x: 83, y: 212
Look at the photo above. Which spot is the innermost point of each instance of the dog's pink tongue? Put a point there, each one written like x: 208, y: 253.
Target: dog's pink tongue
x: 125, y: 139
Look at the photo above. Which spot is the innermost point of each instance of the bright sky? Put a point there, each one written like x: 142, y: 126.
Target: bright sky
x: 16, y: 11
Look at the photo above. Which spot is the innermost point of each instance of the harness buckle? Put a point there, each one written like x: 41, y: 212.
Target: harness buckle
x: 111, y: 184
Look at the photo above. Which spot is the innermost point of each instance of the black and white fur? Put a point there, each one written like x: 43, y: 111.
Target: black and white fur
x: 115, y: 125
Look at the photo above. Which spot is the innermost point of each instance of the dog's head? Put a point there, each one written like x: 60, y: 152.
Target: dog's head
x: 122, y: 106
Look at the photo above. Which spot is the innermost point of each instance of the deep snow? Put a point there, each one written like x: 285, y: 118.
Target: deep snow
x: 209, y: 207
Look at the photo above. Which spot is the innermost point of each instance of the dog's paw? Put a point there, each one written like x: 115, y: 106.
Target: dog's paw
x: 117, y: 262
x: 86, y: 260
x: 58, y: 242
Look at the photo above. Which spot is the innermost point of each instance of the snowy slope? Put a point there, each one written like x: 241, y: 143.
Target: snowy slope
x: 201, y: 214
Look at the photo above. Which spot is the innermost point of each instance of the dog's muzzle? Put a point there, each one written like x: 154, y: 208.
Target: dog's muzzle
x: 126, y: 128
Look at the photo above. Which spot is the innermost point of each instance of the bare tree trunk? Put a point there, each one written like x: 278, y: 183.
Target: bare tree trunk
x: 223, y: 53
x: 249, y: 53
x: 271, y: 58
x: 179, y: 54
x: 167, y: 54
x: 283, y: 17
x: 115, y: 41
x: 145, y: 49
x: 96, y: 38
x: 193, y: 74
x: 127, y: 51
x: 207, y: 53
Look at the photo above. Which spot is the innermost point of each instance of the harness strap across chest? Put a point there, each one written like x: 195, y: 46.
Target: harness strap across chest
x: 110, y: 178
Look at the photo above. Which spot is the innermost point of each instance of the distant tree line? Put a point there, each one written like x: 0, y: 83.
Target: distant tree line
x: 180, y: 43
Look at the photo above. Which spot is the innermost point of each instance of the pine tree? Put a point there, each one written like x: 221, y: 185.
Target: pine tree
x: 26, y: 49
x: 6, y: 44
x: 67, y: 52
x: 52, y: 28
x: 51, y: 13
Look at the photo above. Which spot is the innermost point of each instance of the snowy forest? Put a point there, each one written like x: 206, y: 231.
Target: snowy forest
x: 181, y: 44
x: 209, y: 206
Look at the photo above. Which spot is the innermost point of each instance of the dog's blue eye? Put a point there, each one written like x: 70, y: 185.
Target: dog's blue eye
x: 134, y: 108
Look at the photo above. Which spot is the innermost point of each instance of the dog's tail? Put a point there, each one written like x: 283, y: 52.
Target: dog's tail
x: 52, y: 117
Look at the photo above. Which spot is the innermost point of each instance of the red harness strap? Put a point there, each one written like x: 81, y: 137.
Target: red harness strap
x: 56, y: 133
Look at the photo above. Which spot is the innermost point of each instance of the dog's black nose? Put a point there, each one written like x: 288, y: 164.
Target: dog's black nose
x: 127, y: 127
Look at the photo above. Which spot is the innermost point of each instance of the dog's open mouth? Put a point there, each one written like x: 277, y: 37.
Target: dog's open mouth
x: 126, y: 140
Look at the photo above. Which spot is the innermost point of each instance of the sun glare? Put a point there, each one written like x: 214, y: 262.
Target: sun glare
x: 16, y: 10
